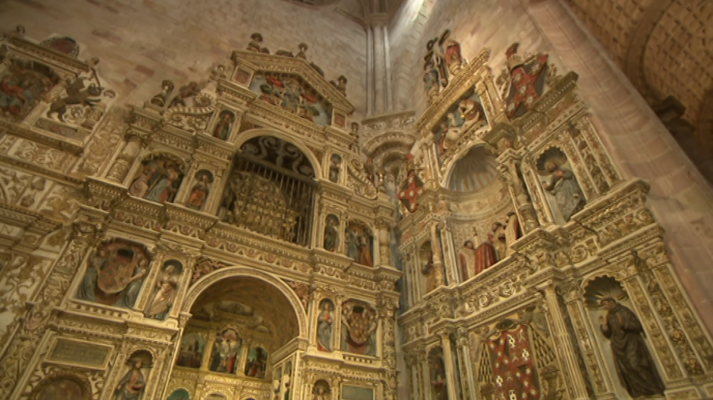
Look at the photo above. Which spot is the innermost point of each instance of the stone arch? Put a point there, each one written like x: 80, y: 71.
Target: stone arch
x: 292, y: 139
x: 246, y: 272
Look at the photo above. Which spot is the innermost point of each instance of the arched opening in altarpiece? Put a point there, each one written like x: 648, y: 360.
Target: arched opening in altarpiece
x: 271, y: 190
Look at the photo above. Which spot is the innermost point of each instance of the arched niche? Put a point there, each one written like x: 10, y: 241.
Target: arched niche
x: 239, y: 318
x: 473, y: 171
x: 271, y: 189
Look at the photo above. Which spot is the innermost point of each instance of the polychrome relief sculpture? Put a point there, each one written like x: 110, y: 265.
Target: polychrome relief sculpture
x: 158, y: 179
x: 22, y: 86
x: 358, y: 328
x: 359, y: 243
x: 290, y: 93
x: 527, y: 80
x: 463, y: 114
x: 115, y: 274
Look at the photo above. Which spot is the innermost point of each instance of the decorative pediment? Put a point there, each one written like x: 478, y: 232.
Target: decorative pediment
x: 292, y: 84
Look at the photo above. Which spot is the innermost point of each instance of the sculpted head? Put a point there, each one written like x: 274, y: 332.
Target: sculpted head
x: 608, y: 303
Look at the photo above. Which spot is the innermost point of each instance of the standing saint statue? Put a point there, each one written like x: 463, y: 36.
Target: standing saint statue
x: 324, y: 326
x: 634, y: 365
x: 467, y: 259
x: 564, y: 187
x: 331, y: 234
x: 132, y: 384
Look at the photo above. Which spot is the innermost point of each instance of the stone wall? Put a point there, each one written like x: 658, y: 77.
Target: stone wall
x: 140, y: 43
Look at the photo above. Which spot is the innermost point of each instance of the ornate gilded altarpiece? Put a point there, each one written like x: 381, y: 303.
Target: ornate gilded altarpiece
x: 526, y: 252
x: 193, y: 247
x: 226, y: 239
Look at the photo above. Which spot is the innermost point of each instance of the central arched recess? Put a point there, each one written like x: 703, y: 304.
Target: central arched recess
x: 237, y: 323
x: 271, y: 190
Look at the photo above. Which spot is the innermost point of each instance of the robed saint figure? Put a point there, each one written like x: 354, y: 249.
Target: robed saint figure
x: 634, y: 365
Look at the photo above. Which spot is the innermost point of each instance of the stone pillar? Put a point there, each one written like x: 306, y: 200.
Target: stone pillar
x: 449, y: 361
x: 388, y: 87
x: 680, y: 196
x: 369, y: 70
x: 565, y: 351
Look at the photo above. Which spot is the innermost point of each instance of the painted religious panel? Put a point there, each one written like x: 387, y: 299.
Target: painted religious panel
x: 132, y: 384
x: 22, y: 86
x: 165, y: 290
x: 257, y: 363
x: 115, y: 274
x: 463, y: 114
x: 190, y: 354
x: 200, y: 190
x: 292, y: 94
x: 179, y: 394
x: 226, y: 351
x: 562, y: 190
x: 359, y: 325
x: 359, y: 243
x: 325, y: 325
x: 437, y: 372
x: 623, y: 338
x: 158, y: 179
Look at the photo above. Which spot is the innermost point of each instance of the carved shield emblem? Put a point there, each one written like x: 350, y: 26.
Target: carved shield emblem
x: 117, y: 270
x: 359, y: 322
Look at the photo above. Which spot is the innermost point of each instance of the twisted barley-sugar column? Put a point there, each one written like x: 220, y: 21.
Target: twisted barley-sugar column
x: 641, y: 146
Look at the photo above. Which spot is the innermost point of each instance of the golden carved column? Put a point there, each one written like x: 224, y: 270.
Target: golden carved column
x: 126, y: 156
x: 425, y: 374
x: 564, y: 349
x: 602, y: 381
x: 449, y: 363
x: 388, y: 354
x: 523, y: 206
x: 466, y: 370
x: 437, y: 257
